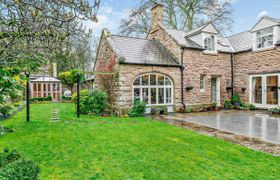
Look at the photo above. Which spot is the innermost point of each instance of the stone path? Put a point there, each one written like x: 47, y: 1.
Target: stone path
x: 54, y: 117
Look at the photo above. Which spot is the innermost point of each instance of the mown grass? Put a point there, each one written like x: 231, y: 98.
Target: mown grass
x: 131, y: 148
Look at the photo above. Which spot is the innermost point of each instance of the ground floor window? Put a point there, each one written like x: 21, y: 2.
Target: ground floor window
x: 265, y: 89
x: 153, y: 88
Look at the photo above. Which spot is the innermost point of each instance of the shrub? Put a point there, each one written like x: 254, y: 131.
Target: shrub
x: 214, y: 104
x: 66, y: 98
x: 6, y: 109
x: 14, y: 166
x: 236, y: 98
x: 188, y: 110
x: 227, y: 103
x: 252, y: 107
x: 275, y: 110
x: 49, y: 98
x: 20, y: 169
x: 244, y: 106
x: 138, y: 109
x: 92, y: 102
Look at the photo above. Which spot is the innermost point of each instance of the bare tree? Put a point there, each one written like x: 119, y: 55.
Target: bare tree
x: 40, y: 27
x: 179, y: 14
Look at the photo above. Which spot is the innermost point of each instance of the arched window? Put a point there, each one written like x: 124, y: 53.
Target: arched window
x: 153, y: 88
x: 209, y: 43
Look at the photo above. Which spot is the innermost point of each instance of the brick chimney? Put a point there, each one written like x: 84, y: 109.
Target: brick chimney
x: 157, y: 16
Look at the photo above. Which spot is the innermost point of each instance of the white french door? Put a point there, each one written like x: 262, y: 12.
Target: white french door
x: 264, y: 90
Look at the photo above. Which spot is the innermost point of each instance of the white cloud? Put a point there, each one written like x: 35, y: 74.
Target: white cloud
x: 107, y: 18
x: 261, y: 14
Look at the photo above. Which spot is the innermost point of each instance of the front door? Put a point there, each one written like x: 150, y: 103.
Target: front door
x: 215, y: 90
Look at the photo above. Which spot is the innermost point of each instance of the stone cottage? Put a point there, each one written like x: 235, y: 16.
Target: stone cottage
x: 175, y: 68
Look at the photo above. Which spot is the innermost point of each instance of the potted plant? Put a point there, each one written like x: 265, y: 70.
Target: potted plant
x: 214, y: 106
x: 236, y: 100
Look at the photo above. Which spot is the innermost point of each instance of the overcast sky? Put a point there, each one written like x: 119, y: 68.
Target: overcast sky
x: 246, y: 14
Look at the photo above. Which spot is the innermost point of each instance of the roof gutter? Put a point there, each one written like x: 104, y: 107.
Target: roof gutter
x: 151, y: 64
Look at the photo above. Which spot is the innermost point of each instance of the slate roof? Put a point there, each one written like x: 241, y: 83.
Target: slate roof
x: 241, y: 42
x: 142, y: 51
x: 235, y: 43
x: 180, y: 37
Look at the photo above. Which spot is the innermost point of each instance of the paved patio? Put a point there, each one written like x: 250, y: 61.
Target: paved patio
x: 257, y: 124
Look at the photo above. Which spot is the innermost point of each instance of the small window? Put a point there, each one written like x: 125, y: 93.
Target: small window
x: 209, y: 43
x: 264, y: 38
x: 202, y: 82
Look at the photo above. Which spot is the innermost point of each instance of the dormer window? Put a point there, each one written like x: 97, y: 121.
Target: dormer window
x: 209, y: 43
x: 264, y: 38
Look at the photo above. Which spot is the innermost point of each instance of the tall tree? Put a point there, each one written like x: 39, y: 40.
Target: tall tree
x: 33, y: 31
x: 179, y: 14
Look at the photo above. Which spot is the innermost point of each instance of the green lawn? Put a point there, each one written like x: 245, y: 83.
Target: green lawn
x: 136, y: 148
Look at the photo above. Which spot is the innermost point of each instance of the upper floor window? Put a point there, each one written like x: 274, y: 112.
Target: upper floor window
x: 209, y: 43
x: 264, y: 38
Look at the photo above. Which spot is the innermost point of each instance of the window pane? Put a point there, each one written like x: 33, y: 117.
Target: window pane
x: 54, y: 85
x: 153, y: 95
x: 153, y: 79
x: 34, y: 87
x: 137, y: 81
x: 161, y: 95
x: 257, y: 90
x: 167, y: 81
x: 202, y: 81
x: 272, y: 90
x: 145, y: 95
x: 136, y: 94
x: 145, y: 80
x: 160, y: 80
x: 168, y: 95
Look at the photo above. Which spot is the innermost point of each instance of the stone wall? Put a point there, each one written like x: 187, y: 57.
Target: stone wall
x: 211, y: 65
x: 169, y: 43
x: 128, y: 73
x: 246, y: 63
x: 107, y: 68
x: 196, y: 63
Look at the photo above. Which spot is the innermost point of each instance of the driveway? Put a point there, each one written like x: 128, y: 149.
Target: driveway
x: 253, y: 124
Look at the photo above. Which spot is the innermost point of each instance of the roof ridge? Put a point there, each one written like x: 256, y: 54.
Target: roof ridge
x: 131, y: 37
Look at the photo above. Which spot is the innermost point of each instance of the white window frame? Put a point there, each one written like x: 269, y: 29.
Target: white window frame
x: 209, y: 43
x: 157, y: 86
x: 264, y: 34
x: 264, y: 90
x: 202, y: 82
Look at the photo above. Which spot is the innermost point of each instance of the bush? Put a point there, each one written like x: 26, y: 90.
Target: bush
x: 236, y: 98
x: 188, y: 110
x: 244, y: 106
x: 66, y: 98
x: 92, y: 102
x: 6, y: 109
x: 275, y: 110
x: 49, y: 98
x: 138, y: 109
x: 227, y: 103
x: 252, y: 107
x: 14, y: 166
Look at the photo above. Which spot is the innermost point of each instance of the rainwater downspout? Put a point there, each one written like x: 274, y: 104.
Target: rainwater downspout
x: 182, y: 78
x: 232, y: 74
